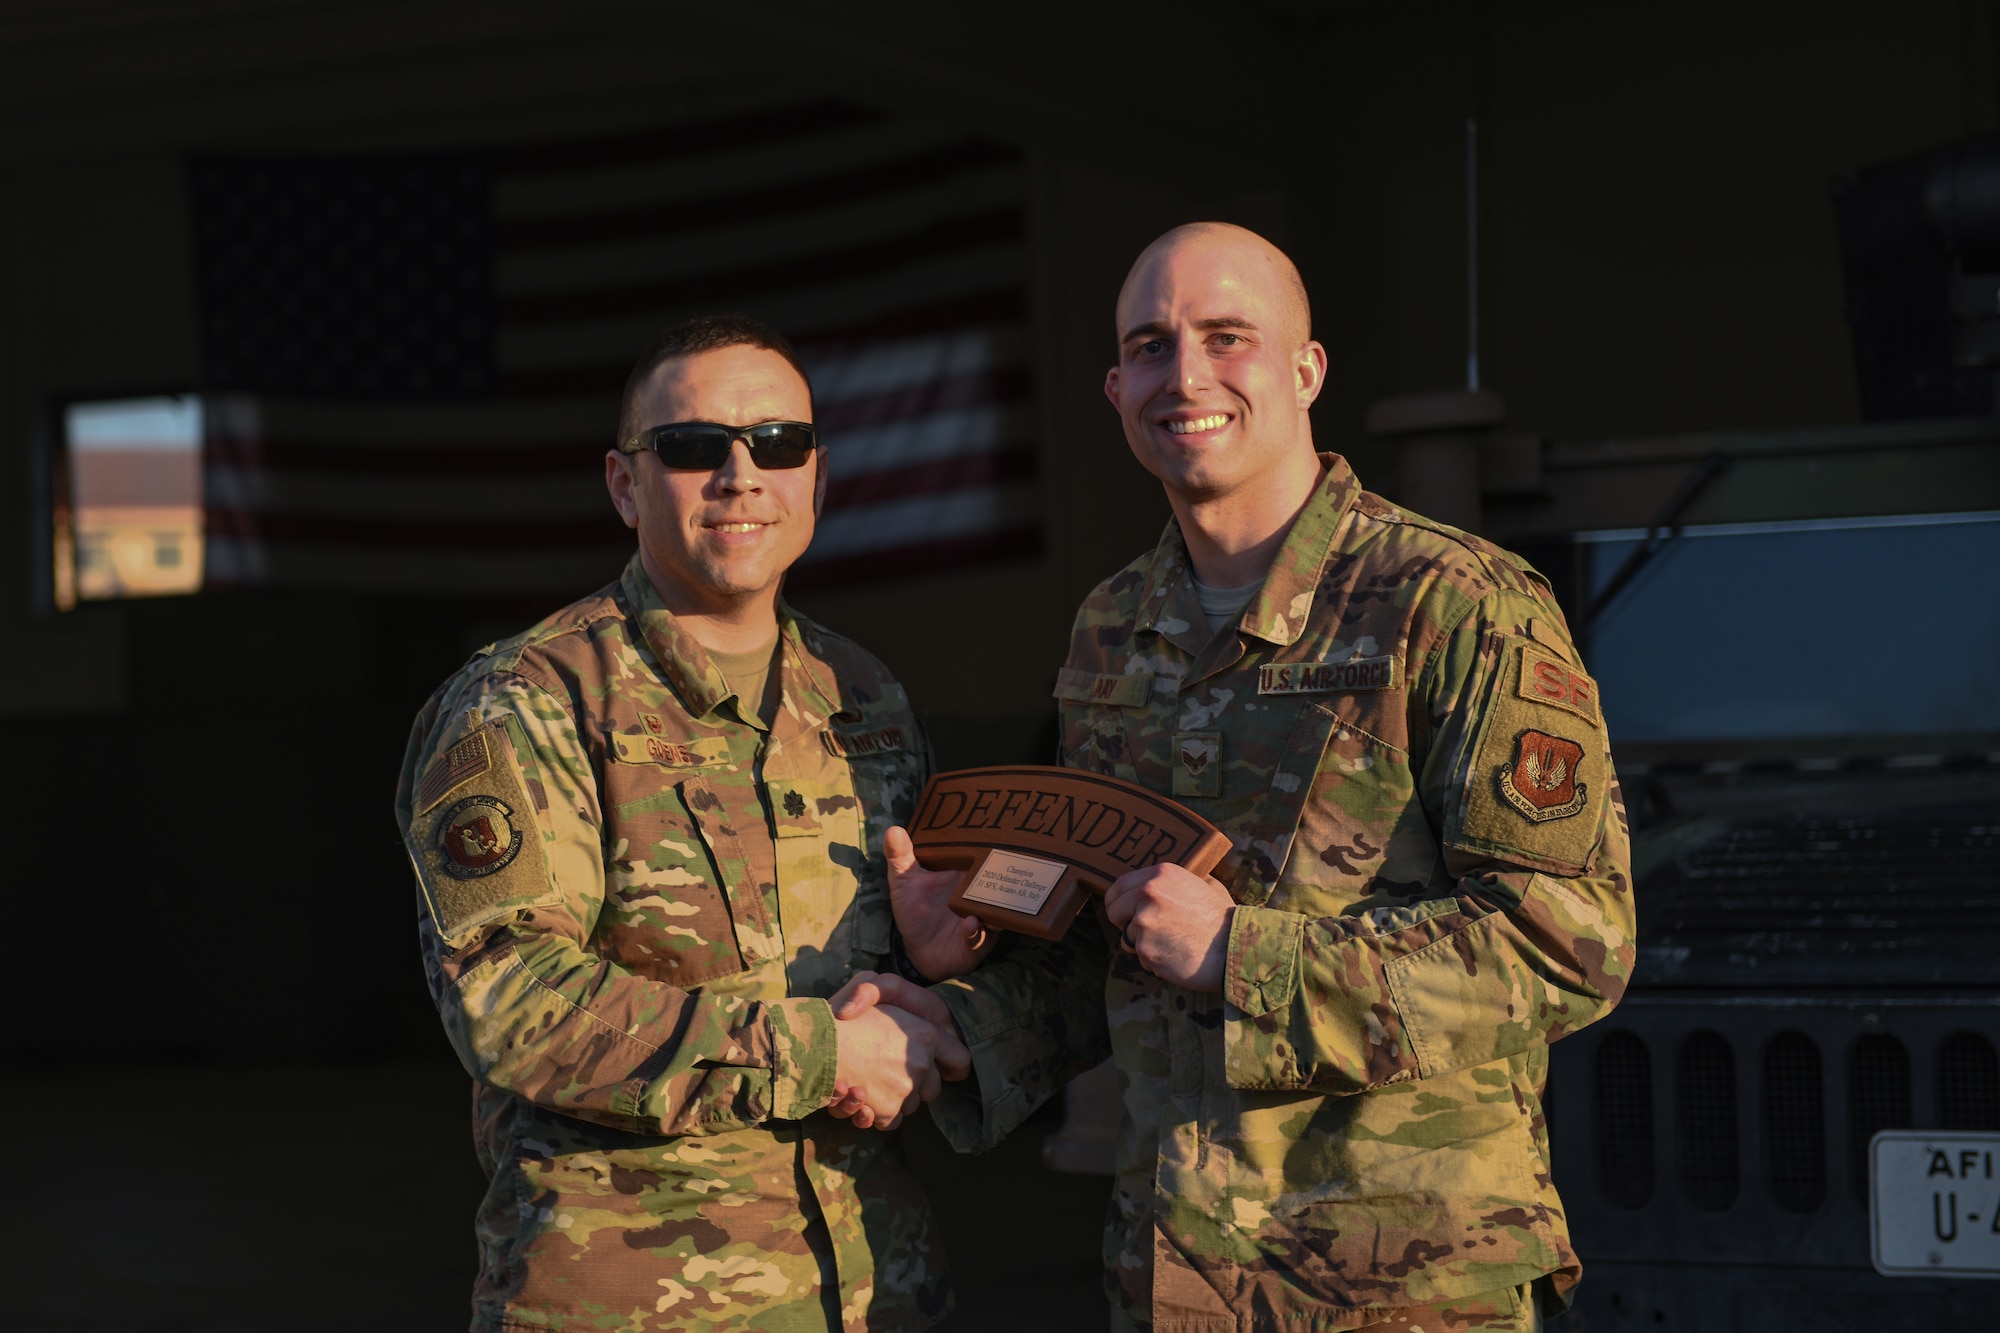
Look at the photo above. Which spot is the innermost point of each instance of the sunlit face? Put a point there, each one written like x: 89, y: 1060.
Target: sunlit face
x: 1214, y: 372
x: 710, y: 540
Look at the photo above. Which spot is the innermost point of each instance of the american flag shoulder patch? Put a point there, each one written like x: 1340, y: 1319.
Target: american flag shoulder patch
x: 452, y: 769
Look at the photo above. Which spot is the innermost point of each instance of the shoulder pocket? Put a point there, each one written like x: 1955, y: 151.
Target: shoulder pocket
x: 1539, y: 774
x: 477, y: 844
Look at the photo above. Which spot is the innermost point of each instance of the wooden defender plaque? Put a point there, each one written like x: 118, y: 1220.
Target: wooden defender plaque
x: 1034, y: 839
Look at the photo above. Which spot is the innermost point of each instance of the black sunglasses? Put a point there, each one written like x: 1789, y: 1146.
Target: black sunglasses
x: 704, y: 445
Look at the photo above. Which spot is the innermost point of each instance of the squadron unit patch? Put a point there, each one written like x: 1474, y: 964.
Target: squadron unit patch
x: 477, y: 837
x: 1542, y: 781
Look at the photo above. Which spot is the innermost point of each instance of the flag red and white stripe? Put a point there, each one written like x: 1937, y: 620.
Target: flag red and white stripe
x: 893, y: 254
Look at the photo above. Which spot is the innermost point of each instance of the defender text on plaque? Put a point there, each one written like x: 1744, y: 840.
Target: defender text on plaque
x: 1037, y: 838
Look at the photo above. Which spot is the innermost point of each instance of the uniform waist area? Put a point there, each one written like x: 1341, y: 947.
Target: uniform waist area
x: 509, y: 1130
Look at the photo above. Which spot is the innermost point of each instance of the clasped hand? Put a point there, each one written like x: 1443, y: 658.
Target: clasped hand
x: 898, y: 1046
x: 1175, y: 921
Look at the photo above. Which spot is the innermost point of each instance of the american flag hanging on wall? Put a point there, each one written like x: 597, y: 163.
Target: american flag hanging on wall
x: 414, y: 361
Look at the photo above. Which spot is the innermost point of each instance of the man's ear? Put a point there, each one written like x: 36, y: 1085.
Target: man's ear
x: 1111, y: 386
x: 618, y: 479
x: 819, y: 481
x: 1311, y: 372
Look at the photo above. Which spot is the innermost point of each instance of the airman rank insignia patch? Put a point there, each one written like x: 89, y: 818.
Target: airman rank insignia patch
x: 455, y: 767
x: 1352, y: 676
x: 1129, y: 690
x: 1542, y: 782
x: 858, y: 744
x: 477, y: 837
x: 1197, y: 763
x: 1544, y: 679
x: 653, y: 749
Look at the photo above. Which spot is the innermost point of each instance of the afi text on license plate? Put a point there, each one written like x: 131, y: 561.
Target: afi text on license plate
x: 1934, y: 1202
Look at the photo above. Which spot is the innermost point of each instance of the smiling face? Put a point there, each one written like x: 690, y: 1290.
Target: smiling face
x: 713, y: 542
x: 1215, y: 369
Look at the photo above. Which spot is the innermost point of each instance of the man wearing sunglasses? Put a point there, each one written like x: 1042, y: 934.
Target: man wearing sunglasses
x: 648, y: 839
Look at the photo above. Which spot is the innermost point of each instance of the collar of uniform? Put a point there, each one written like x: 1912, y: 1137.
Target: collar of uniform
x: 1166, y: 594
x: 690, y: 672
x: 805, y: 703
x: 1167, y: 600
x: 1278, y: 613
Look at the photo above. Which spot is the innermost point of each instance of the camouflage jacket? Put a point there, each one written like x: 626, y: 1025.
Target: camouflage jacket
x: 1430, y: 863
x: 634, y: 901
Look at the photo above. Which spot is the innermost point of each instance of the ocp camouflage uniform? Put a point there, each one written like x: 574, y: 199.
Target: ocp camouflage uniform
x: 1430, y: 861
x: 634, y: 902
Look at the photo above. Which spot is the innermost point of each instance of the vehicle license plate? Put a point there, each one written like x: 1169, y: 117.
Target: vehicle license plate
x: 1934, y: 1203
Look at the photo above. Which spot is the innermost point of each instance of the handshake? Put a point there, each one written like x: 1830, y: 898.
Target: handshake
x: 898, y: 1043
x: 898, y: 1047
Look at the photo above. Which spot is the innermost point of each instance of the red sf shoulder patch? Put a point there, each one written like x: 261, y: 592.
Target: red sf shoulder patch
x: 478, y: 837
x: 1542, y: 782
x: 1543, y: 679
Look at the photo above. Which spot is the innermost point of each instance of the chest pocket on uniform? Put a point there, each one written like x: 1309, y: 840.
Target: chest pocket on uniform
x: 1360, y: 835
x: 886, y: 783
x: 665, y: 913
x: 1093, y: 720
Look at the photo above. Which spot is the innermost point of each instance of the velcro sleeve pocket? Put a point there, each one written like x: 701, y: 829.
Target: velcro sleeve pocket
x: 477, y: 845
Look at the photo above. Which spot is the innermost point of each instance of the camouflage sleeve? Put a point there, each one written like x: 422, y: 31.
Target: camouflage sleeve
x: 501, y: 819
x: 1532, y: 937
x: 1033, y: 1016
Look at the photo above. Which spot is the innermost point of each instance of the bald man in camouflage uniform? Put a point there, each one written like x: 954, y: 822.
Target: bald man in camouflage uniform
x: 647, y: 834
x: 1331, y: 1054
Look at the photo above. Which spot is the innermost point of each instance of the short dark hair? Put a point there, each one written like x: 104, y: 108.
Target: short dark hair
x: 693, y: 335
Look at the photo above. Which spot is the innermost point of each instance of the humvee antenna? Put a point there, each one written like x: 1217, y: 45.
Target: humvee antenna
x: 1472, y: 254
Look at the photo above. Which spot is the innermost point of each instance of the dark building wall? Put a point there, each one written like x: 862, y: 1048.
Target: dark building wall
x: 1658, y: 247
x: 1658, y: 243
x: 203, y: 863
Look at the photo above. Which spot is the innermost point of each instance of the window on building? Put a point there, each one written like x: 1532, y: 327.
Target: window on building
x: 128, y: 519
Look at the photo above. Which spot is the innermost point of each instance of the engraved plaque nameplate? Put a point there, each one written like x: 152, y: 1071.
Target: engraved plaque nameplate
x: 1035, y: 840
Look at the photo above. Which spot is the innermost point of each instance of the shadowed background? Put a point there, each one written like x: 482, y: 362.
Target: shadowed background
x: 236, y: 1109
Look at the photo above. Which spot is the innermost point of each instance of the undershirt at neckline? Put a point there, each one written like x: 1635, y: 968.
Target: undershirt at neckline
x: 750, y: 674
x: 1219, y: 606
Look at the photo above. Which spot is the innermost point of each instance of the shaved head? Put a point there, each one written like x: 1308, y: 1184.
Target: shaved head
x: 1255, y: 258
x: 1217, y: 372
